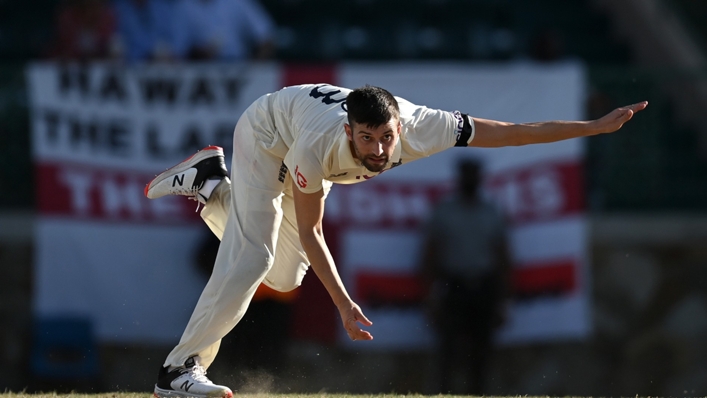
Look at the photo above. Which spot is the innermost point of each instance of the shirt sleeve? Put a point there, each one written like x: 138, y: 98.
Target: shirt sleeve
x: 305, y: 169
x: 428, y: 130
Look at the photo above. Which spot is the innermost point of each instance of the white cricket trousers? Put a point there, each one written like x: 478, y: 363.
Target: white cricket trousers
x: 254, y: 217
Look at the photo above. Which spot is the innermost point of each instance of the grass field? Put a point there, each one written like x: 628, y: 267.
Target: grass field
x: 146, y: 394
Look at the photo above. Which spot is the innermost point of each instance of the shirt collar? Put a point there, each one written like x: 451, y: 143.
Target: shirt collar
x: 396, y: 153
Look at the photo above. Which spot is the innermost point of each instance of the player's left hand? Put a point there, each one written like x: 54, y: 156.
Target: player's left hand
x: 616, y: 118
x: 351, y: 315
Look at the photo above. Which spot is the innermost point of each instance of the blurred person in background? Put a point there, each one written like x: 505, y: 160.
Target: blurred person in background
x: 85, y: 30
x: 547, y: 45
x: 289, y: 148
x: 148, y: 30
x: 466, y: 267
x: 227, y: 30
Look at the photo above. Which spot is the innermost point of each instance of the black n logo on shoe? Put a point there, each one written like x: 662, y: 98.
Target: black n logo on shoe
x: 186, y: 386
x: 177, y: 180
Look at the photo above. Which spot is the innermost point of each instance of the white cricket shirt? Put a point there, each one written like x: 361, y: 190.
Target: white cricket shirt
x: 309, y: 121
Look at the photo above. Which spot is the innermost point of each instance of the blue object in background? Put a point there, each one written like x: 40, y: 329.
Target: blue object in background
x: 64, y: 348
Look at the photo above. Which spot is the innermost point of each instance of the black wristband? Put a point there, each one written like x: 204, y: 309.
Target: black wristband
x: 465, y: 134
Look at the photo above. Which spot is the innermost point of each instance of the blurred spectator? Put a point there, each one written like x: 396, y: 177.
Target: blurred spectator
x: 148, y: 29
x: 466, y: 266
x: 85, y: 30
x: 547, y: 45
x: 225, y: 30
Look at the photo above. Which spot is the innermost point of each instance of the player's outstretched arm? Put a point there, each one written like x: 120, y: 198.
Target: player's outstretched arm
x: 493, y: 133
x: 310, y: 212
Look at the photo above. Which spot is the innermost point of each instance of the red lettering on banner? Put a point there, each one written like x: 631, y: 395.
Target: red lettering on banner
x: 78, y: 191
x: 543, y: 192
x: 386, y: 205
x: 301, y: 181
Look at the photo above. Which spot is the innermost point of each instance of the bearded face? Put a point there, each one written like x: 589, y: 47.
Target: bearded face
x: 373, y: 146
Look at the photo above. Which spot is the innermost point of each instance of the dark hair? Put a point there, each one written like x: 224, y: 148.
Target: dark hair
x: 371, y: 106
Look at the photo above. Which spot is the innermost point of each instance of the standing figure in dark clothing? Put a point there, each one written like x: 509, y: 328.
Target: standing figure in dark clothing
x: 466, y: 265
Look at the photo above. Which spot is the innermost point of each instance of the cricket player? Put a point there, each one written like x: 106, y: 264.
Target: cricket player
x: 289, y: 147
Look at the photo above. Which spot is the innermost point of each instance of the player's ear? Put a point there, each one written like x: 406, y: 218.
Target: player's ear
x: 349, y: 131
x: 400, y: 127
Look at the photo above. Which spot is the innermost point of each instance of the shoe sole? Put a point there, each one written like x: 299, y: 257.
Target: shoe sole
x: 208, y: 152
x: 160, y: 393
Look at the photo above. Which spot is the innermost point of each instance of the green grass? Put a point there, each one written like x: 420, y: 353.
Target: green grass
x: 147, y: 394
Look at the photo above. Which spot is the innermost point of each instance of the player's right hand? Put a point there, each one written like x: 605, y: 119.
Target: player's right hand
x: 615, y: 119
x: 351, y: 315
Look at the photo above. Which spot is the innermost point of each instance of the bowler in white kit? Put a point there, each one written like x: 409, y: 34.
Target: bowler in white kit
x: 289, y: 147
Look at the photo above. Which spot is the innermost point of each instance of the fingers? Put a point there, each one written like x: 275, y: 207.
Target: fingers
x: 626, y: 115
x: 362, y: 318
x: 355, y: 332
x: 637, y: 106
x: 352, y: 328
x: 615, y: 119
x: 627, y: 112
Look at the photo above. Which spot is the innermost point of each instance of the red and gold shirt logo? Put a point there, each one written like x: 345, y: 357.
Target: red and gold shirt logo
x: 301, y: 181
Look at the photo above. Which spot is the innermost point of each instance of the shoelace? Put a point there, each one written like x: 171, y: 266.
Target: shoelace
x: 198, y: 202
x: 198, y: 373
x: 191, y: 193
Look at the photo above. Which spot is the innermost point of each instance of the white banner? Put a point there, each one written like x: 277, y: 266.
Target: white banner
x: 540, y: 187
x: 106, y: 252
x: 100, y: 133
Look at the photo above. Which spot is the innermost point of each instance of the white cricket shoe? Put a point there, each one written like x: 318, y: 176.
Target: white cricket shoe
x: 189, y: 177
x: 189, y: 381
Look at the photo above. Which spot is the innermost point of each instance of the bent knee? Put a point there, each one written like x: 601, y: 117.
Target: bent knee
x: 281, y: 285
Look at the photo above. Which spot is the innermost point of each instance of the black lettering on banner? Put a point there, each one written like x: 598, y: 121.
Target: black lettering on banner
x: 192, y: 140
x: 223, y: 136
x: 159, y: 90
x: 326, y: 97
x: 83, y: 133
x: 72, y: 77
x: 51, y: 121
x: 110, y: 136
x: 118, y: 140
x: 112, y: 87
x: 202, y: 92
x: 154, y: 149
x: 233, y: 89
